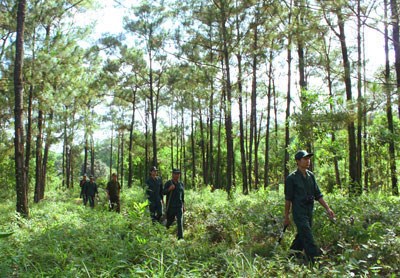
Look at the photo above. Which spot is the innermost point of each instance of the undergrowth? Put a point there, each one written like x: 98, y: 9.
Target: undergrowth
x: 223, y: 238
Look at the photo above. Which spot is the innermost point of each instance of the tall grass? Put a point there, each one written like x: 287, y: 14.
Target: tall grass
x: 223, y: 238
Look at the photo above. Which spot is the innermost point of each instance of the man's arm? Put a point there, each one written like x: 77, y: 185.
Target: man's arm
x: 288, y: 205
x: 330, y: 213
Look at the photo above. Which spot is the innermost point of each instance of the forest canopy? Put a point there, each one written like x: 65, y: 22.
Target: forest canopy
x: 227, y: 91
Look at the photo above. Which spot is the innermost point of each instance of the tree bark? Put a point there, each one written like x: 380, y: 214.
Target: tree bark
x: 288, y: 97
x: 228, y: 100
x: 243, y: 156
x: 396, y: 46
x: 353, y: 161
x: 20, y: 171
x: 39, y: 162
x: 389, y: 112
x: 267, y: 131
x: 130, y: 153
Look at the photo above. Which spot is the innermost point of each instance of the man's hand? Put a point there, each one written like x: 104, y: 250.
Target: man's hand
x: 171, y: 187
x: 286, y: 222
x: 330, y: 213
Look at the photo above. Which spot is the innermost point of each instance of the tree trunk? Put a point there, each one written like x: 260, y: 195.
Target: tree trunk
x: 86, y: 155
x: 210, y: 148
x: 218, y: 166
x: 46, y: 157
x: 193, y: 143
x: 130, y: 153
x: 389, y: 112
x: 20, y: 171
x: 228, y: 100
x: 288, y: 97
x: 203, y: 145
x: 359, y: 97
x: 353, y: 163
x: 267, y: 131
x: 39, y: 162
x: 396, y: 45
x: 253, y: 112
x: 243, y: 156
x: 111, y: 151
x: 333, y: 133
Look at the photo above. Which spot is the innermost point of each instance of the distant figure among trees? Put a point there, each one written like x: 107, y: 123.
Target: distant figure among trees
x: 154, y: 192
x: 301, y: 189
x: 174, y: 190
x: 82, y: 186
x: 90, y: 190
x: 113, y: 189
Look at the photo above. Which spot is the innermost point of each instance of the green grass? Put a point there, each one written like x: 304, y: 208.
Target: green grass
x: 223, y: 238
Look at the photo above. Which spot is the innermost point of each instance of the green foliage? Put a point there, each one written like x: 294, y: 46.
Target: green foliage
x: 223, y: 238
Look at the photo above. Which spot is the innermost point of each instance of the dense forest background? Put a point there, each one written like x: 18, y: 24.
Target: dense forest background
x: 226, y: 90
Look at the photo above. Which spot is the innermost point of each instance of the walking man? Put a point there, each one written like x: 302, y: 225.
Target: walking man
x: 301, y: 189
x: 154, y: 194
x: 113, y: 189
x: 82, y: 183
x: 90, y: 190
x: 174, y: 190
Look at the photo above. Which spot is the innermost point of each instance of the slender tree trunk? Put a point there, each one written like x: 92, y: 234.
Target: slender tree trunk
x: 86, y: 155
x: 288, y: 97
x: 210, y: 156
x: 203, y: 145
x: 111, y: 150
x: 396, y: 46
x: 46, y: 156
x: 30, y: 104
x: 146, y: 132
x: 253, y: 111
x: 267, y: 131
x: 172, y: 137
x: 359, y: 97
x: 119, y: 142
x: 39, y: 162
x: 20, y: 171
x: 130, y: 153
x: 389, y: 112
x: 228, y: 102
x: 333, y: 133
x: 193, y: 143
x: 218, y: 167
x: 353, y: 163
x: 243, y: 156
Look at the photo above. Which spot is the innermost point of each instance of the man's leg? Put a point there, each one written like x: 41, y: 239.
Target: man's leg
x: 307, y: 239
x: 152, y: 209
x: 179, y: 220
x: 158, y: 211
x: 91, y: 201
x: 170, y: 217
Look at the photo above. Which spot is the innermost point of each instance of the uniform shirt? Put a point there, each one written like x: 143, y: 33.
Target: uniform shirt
x: 154, y: 189
x: 113, y: 188
x: 176, y: 197
x: 297, y: 189
x: 90, y: 188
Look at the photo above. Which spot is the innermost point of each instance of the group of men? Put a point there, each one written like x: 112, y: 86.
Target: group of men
x: 301, y: 190
x: 89, y: 190
x: 175, y: 198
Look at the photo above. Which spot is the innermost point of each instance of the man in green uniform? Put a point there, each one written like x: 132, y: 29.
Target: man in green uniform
x: 174, y: 190
x: 301, y: 189
x: 113, y: 189
x: 90, y: 190
x: 154, y: 192
x: 82, y: 186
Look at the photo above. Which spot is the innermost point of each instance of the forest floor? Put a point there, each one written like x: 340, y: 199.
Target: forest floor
x: 222, y: 238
